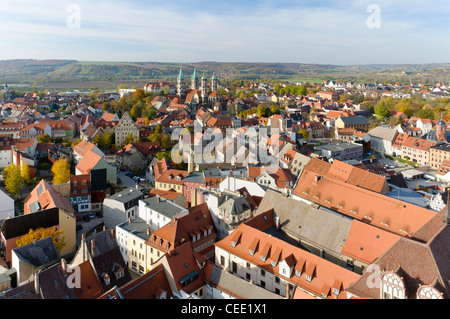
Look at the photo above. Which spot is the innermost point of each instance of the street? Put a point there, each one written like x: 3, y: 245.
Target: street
x: 125, y: 180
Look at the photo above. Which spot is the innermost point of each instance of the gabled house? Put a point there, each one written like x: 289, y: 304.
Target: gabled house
x: 82, y: 148
x: 31, y: 258
x: 121, y: 206
x: 103, y: 253
x: 152, y: 285
x: 193, y: 228
x: 14, y: 228
x: 280, y: 267
x: 184, y: 270
x: 137, y: 155
x: 92, y: 161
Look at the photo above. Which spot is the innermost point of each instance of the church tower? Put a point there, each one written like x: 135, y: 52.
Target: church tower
x: 204, y: 89
x: 441, y: 131
x: 214, y: 83
x: 180, y: 84
x: 195, y: 80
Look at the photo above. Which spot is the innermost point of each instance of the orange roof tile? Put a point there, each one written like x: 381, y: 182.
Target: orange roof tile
x: 376, y: 209
x: 88, y: 162
x: 367, y: 243
x: 323, y: 272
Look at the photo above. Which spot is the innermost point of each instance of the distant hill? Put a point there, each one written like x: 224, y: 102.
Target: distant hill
x: 72, y: 73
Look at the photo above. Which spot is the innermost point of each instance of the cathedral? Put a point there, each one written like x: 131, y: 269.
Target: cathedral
x: 198, y: 93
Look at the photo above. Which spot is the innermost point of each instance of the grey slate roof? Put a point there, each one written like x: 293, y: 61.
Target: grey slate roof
x: 384, y: 133
x: 137, y: 226
x: 163, y: 206
x: 308, y: 222
x: 38, y: 253
x: 126, y: 195
x: 355, y: 120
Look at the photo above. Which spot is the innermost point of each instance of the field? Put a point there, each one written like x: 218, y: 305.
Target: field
x: 71, y: 74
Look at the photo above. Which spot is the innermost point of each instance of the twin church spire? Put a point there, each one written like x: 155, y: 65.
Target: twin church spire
x: 197, y: 83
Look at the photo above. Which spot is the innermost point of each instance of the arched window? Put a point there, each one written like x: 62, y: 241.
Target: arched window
x: 427, y: 292
x: 392, y: 286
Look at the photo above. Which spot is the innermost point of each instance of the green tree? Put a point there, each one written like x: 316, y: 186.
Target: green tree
x: 261, y: 110
x: 136, y: 111
x: 155, y: 138
x: 159, y: 129
x: 302, y: 90
x: 129, y: 139
x: 382, y: 110
x: 166, y: 141
x: 162, y: 155
x: 44, y: 138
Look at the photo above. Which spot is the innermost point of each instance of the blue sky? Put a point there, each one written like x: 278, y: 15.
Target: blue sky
x: 322, y: 32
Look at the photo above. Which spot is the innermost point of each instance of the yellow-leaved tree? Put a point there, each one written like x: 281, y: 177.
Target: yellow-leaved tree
x: 41, y: 233
x: 25, y: 172
x: 13, y: 179
x: 61, y: 171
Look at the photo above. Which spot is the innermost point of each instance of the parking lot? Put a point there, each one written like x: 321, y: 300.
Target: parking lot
x: 87, y: 225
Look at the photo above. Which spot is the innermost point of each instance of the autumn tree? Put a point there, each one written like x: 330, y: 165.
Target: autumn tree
x: 304, y: 133
x: 25, y: 172
x: 261, y: 110
x: 61, y: 171
x: 41, y: 233
x: 129, y: 139
x: 159, y: 128
x: 45, y: 138
x: 13, y: 179
x: 166, y: 141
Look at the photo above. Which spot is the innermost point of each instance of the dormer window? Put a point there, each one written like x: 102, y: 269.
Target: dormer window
x: 106, y: 279
x: 335, y: 292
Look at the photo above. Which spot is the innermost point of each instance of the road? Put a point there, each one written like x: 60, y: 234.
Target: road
x: 125, y: 180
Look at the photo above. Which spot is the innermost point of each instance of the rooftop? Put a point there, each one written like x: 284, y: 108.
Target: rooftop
x: 163, y: 206
x: 126, y: 195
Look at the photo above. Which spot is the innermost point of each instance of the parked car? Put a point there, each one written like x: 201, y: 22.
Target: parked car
x: 78, y: 218
x: 91, y: 215
x: 99, y: 215
x: 86, y: 218
x: 79, y: 227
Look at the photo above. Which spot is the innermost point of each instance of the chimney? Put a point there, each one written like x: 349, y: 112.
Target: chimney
x: 277, y: 222
x: 37, y: 287
x: 83, y: 236
x: 64, y: 265
x: 129, y: 219
x: 112, y: 233
x: 288, y: 291
x: 158, y: 199
x: 93, y: 247
x: 148, y: 232
x: 446, y: 212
